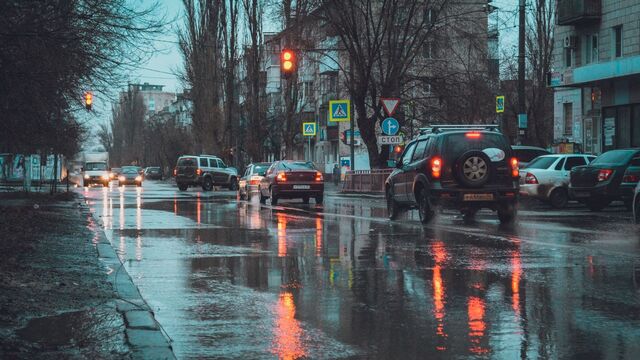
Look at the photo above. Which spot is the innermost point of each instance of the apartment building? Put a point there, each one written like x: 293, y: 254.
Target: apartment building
x: 596, y: 75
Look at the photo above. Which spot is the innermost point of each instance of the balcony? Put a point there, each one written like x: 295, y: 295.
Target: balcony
x: 574, y: 12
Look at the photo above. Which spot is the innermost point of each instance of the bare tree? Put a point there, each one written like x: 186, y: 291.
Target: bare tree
x: 127, y: 126
x: 229, y: 14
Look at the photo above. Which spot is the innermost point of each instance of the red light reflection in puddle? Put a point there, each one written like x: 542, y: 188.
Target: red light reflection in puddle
x: 440, y: 256
x: 198, y: 208
x: 516, y: 274
x: 477, y: 326
x: 318, y: 237
x: 282, y: 234
x: 287, y: 342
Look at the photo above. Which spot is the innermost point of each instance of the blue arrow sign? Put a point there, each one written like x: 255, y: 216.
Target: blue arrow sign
x: 390, y: 126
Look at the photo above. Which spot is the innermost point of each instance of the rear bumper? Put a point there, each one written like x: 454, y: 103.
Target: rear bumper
x: 624, y: 191
x: 482, y: 198
x: 189, y: 180
x: 288, y: 191
x: 537, y: 191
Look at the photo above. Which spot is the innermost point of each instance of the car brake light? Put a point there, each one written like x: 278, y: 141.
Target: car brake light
x: 255, y: 180
x: 281, y: 177
x: 604, y: 174
x: 630, y: 178
x: 319, y: 176
x: 514, y: 168
x: 175, y: 172
x: 198, y: 171
x: 530, y: 179
x: 436, y: 167
x: 472, y: 135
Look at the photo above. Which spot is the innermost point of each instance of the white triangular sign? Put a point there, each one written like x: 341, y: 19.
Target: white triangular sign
x: 390, y: 105
x: 340, y: 112
x: 309, y: 129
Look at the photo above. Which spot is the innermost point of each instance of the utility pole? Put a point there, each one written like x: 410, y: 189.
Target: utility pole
x: 521, y: 52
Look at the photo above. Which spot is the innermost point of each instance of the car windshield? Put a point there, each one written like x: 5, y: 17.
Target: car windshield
x: 260, y: 169
x: 298, y: 165
x: 129, y: 170
x: 458, y: 144
x: 542, y: 162
x: 618, y: 157
x: 95, y: 166
x: 187, y: 162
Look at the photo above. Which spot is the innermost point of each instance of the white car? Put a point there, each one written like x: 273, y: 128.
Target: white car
x: 547, y: 178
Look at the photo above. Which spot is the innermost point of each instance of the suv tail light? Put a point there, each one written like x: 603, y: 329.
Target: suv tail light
x: 515, y: 172
x: 472, y: 135
x: 604, y: 174
x: 282, y: 177
x: 530, y: 179
x: 436, y: 167
x: 630, y: 178
x: 198, y: 172
x: 175, y: 172
x: 319, y: 176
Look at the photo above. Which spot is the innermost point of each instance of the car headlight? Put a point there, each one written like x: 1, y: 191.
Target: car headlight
x: 105, y: 177
x: 86, y: 176
x: 138, y: 178
x: 120, y: 178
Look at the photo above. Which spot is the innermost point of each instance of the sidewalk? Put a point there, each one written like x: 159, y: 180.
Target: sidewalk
x: 57, y: 297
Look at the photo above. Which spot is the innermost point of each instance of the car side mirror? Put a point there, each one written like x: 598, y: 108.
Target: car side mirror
x: 399, y: 164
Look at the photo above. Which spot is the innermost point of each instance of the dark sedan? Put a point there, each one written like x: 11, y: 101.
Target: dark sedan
x: 153, y: 173
x: 289, y: 179
x: 130, y: 175
x: 611, y: 176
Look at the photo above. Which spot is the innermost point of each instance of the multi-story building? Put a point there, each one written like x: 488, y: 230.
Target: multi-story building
x: 596, y: 75
x: 153, y: 97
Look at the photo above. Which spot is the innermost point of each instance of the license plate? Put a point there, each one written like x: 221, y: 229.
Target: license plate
x: 301, y: 187
x: 478, y: 197
x: 581, y: 194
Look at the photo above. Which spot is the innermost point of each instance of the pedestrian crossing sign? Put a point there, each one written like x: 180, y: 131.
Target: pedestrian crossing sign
x: 309, y: 129
x: 339, y: 110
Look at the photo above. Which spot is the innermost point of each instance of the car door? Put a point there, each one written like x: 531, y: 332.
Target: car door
x: 416, y: 163
x: 244, y: 180
x: 400, y: 185
x: 214, y: 170
x: 267, y: 179
x: 570, y: 163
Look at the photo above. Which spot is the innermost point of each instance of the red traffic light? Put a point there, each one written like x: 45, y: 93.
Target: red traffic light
x: 88, y: 100
x: 287, y: 62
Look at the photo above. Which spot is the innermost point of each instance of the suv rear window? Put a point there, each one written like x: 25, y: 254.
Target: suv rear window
x: 613, y: 157
x: 187, y: 162
x: 458, y: 144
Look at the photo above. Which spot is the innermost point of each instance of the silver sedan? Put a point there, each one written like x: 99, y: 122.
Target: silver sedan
x: 546, y: 178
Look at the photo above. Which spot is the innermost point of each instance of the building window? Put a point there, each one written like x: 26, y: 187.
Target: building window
x: 568, y: 119
x: 568, y: 53
x: 591, y: 49
x: 617, y: 41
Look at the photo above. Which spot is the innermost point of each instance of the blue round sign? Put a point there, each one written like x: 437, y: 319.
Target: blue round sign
x: 390, y: 126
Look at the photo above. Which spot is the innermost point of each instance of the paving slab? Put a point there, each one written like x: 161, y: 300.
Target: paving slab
x: 146, y: 338
x: 140, y: 319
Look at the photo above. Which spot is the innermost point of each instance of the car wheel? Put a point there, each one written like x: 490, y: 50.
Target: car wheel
x: 425, y: 211
x: 636, y: 210
x: 274, y: 198
x: 207, y: 184
x: 628, y: 204
x: 507, y: 213
x: 393, y: 208
x: 182, y: 187
x: 234, y: 184
x: 305, y: 200
x: 241, y: 195
x: 597, y: 204
x: 559, y: 198
x: 319, y: 199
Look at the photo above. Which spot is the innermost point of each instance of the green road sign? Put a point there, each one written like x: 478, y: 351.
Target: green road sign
x: 500, y: 104
x: 339, y: 110
x: 309, y: 129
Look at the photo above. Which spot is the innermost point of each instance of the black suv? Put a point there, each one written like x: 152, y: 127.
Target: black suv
x: 463, y: 167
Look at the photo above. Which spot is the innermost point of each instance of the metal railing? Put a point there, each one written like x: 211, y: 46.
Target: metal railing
x: 370, y: 181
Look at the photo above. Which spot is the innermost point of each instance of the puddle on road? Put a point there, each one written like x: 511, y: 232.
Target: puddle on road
x: 90, y: 329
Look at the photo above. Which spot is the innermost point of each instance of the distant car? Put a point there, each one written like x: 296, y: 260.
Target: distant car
x: 206, y: 171
x: 546, y: 178
x: 130, y: 176
x: 249, y: 183
x: 288, y: 179
x: 153, y: 173
x: 636, y: 204
x: 611, y: 176
x: 96, y: 172
x: 525, y: 154
x: 115, y: 172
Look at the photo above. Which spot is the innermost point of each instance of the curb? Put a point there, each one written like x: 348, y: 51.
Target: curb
x: 143, y: 332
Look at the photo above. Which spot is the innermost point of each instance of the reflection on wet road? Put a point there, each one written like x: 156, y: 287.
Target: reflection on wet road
x: 239, y: 280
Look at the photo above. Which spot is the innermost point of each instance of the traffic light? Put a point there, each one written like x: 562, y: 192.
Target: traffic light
x: 287, y: 62
x: 88, y: 100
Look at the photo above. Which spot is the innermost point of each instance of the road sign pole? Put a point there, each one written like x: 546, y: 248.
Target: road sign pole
x: 309, y: 158
x: 352, y: 141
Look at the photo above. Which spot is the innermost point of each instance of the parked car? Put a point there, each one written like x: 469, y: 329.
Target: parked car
x: 153, y: 173
x: 288, y: 179
x: 611, y: 176
x: 249, y: 183
x: 546, y: 178
x: 636, y: 204
x: 206, y: 171
x: 463, y: 167
x: 525, y: 154
x: 130, y: 176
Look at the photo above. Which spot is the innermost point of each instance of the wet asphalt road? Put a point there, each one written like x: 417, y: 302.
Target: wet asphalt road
x: 232, y: 279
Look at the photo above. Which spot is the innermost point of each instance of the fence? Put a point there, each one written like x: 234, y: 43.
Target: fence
x: 365, y: 180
